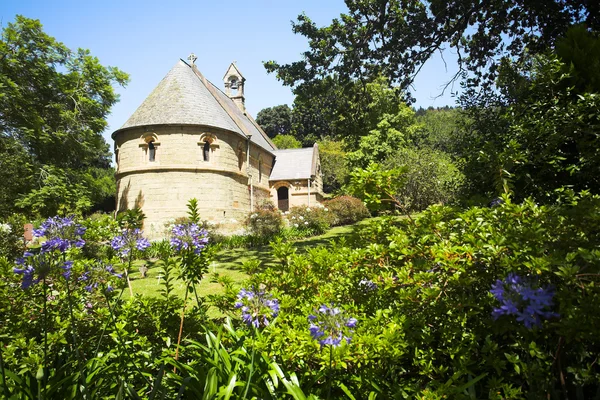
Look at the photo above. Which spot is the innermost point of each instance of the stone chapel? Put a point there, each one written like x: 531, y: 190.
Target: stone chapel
x: 189, y: 139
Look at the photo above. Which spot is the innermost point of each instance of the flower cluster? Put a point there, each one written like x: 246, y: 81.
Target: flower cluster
x: 5, y: 228
x: 257, y: 307
x: 330, y: 326
x: 519, y: 297
x: 99, y: 274
x: 367, y: 285
x: 189, y: 237
x: 60, y: 233
x: 128, y: 240
x: 28, y: 272
x: 41, y: 265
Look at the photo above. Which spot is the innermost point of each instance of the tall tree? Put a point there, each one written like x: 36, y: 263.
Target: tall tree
x: 394, y: 38
x: 275, y: 120
x: 54, y: 103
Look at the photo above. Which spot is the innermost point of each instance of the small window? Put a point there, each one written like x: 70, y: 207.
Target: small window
x: 206, y: 151
x: 151, y: 151
x: 260, y: 171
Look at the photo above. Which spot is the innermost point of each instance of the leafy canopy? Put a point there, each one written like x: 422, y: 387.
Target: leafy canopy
x: 394, y: 38
x: 53, y: 104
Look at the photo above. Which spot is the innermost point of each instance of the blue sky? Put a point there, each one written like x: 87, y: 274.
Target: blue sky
x: 146, y: 39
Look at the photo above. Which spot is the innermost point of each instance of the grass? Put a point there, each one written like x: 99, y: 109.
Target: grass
x: 228, y: 262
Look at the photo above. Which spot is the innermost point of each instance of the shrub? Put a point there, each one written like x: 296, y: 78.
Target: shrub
x: 316, y: 219
x: 11, y: 236
x: 346, y: 210
x: 265, y: 223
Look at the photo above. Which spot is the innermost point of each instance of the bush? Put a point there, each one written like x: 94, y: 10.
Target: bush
x: 346, y: 210
x: 430, y: 177
x: 11, y: 236
x: 265, y: 223
x: 315, y: 220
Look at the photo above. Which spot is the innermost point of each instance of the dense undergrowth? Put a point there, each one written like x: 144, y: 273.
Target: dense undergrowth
x: 497, y: 303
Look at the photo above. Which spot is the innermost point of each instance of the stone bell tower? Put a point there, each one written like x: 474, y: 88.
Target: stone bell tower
x: 234, y: 86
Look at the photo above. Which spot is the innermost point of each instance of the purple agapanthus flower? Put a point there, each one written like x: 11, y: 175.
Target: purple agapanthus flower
x: 329, y: 326
x: 99, y: 274
x: 60, y: 233
x: 367, y: 285
x: 257, y: 307
x: 128, y: 240
x: 189, y: 237
x: 28, y: 273
x: 520, y: 297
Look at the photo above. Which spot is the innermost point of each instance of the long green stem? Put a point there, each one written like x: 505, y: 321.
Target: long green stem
x: 127, y: 272
x: 74, y: 334
x: 45, y: 327
x: 187, y: 290
x: 251, y: 364
x: 329, y: 372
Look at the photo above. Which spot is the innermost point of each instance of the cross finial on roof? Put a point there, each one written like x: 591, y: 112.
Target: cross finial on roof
x: 192, y: 58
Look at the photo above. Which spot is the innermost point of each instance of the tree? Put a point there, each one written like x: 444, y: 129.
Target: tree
x: 394, y: 38
x: 394, y: 131
x: 54, y: 103
x: 286, y: 142
x: 333, y: 165
x: 331, y: 109
x: 540, y: 132
x: 275, y: 120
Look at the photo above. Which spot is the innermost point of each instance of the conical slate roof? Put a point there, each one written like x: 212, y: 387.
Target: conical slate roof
x: 185, y: 97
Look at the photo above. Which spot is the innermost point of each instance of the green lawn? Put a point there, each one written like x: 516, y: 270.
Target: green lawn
x: 228, y: 263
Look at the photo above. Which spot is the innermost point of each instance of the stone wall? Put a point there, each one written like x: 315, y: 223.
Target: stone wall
x: 162, y: 188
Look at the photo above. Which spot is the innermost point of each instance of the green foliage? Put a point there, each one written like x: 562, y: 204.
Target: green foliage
x: 313, y: 220
x: 131, y: 219
x: 396, y: 38
x: 275, y: 120
x: 193, y: 214
x: 346, y: 210
x: 58, y: 194
x: 426, y: 329
x: 377, y: 187
x: 16, y: 173
x: 265, y: 222
x: 12, y: 241
x: 52, y: 126
x: 393, y: 131
x: 100, y: 229
x: 440, y: 129
x: 286, y: 142
x: 333, y: 165
x: 430, y: 177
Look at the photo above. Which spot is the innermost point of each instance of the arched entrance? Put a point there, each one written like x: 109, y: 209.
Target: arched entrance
x: 283, y: 198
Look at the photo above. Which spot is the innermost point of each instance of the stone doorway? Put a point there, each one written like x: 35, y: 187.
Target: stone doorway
x: 283, y: 198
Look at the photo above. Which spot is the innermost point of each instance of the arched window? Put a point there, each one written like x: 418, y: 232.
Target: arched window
x: 151, y: 151
x: 149, y: 144
x: 206, y: 151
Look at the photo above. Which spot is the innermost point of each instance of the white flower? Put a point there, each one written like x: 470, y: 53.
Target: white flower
x: 305, y: 222
x: 5, y: 228
x: 295, y: 225
x: 326, y: 209
x: 286, y: 213
x: 301, y: 218
x: 254, y: 216
x: 307, y: 209
x: 293, y: 217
